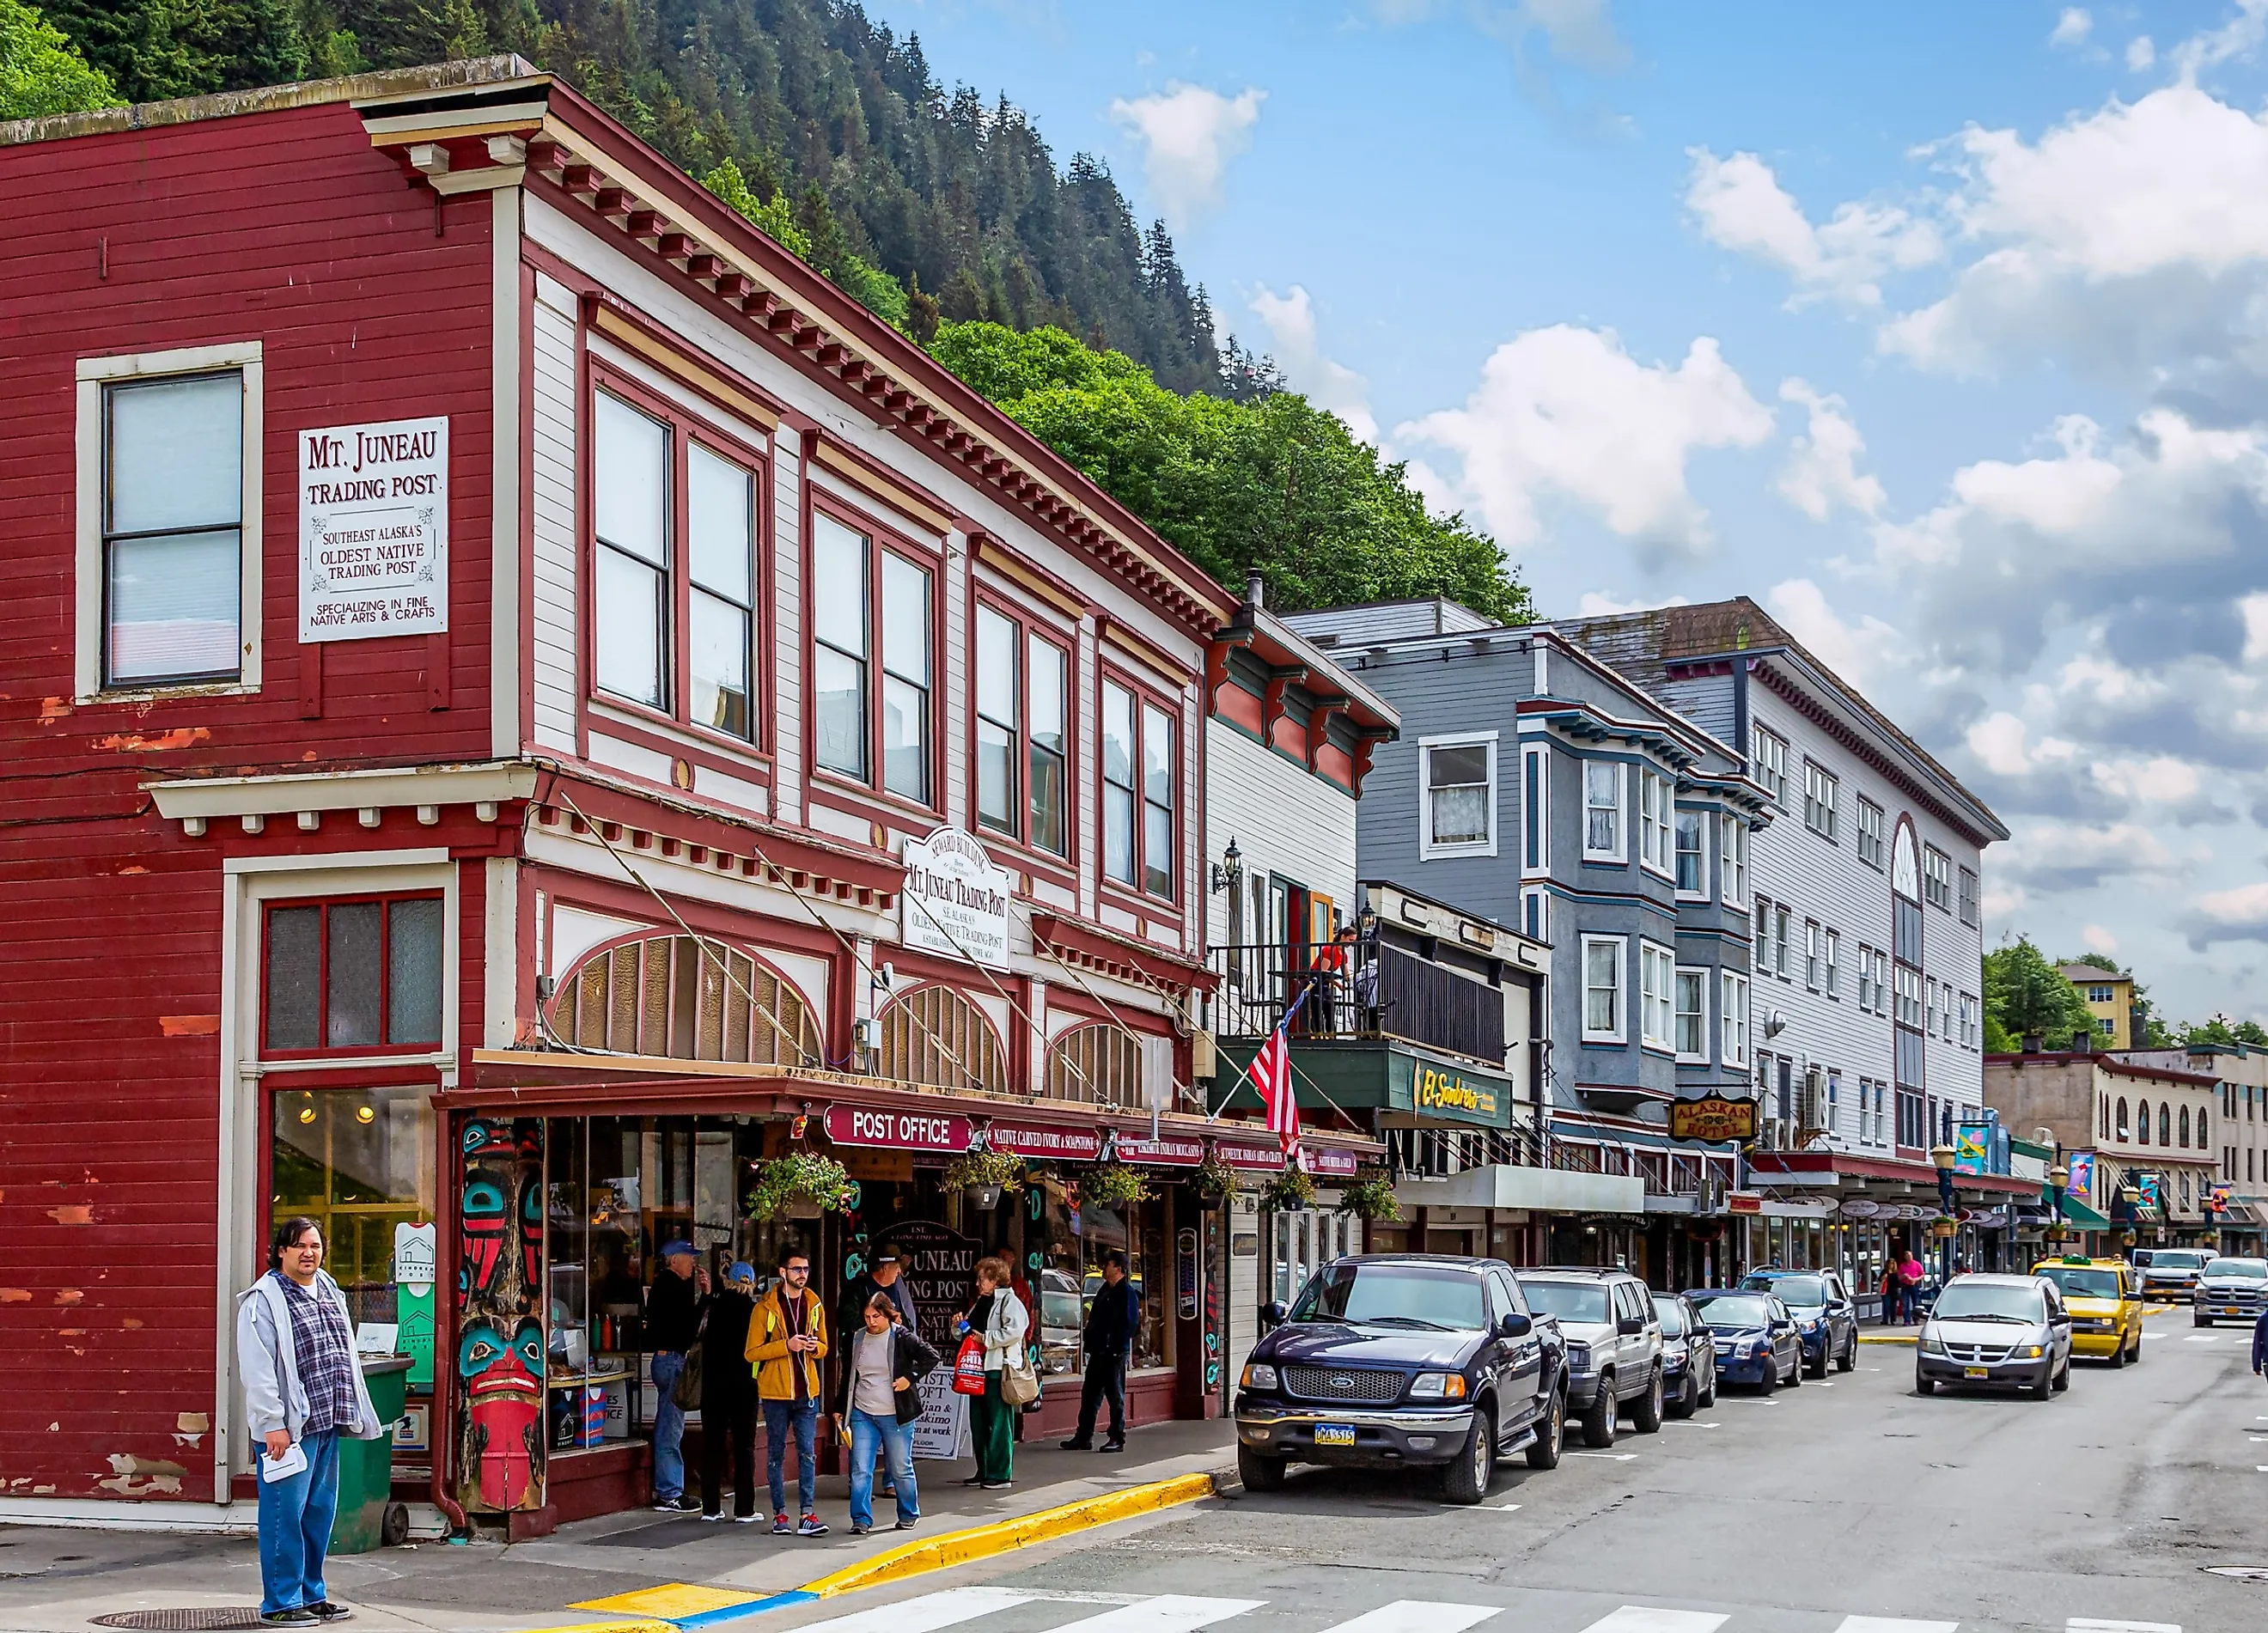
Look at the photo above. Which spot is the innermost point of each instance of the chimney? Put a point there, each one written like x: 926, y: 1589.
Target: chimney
x: 1256, y: 589
x: 2031, y: 1043
x: 2082, y: 1042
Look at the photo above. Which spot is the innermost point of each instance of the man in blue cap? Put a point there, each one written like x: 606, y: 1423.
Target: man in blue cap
x: 672, y: 1322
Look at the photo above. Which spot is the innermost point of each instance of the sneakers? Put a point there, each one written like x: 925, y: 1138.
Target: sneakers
x: 679, y: 1504
x: 298, y: 1617
x: 780, y: 1527
x: 858, y: 1530
x: 1112, y: 1446
x: 746, y: 1519
x: 1076, y: 1444
x: 329, y: 1610
x: 907, y: 1524
x: 812, y: 1527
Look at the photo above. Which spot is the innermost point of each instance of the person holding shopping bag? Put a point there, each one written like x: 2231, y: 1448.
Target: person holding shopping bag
x: 876, y: 1405
x: 997, y: 1317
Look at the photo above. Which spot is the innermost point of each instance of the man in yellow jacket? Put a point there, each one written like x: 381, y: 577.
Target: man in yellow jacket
x: 787, y: 1340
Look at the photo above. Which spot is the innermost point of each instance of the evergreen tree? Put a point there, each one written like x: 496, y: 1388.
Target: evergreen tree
x: 39, y: 72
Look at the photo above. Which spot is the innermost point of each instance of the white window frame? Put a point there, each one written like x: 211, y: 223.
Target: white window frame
x: 1732, y: 1019
x: 1831, y: 963
x: 1701, y: 827
x: 1768, y: 763
x: 1699, y: 975
x: 1427, y: 849
x: 1870, y: 846
x: 1657, y: 1004
x: 1866, y: 977
x: 1969, y: 899
x: 1783, y: 916
x: 1811, y: 954
x: 1621, y: 849
x: 1937, y: 878
x: 1535, y: 810
x: 94, y: 373
x: 1732, y: 859
x: 1620, y: 945
x: 1822, y: 797
x: 1657, y: 827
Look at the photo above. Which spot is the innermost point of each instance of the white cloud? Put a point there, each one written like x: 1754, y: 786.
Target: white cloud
x: 2140, y: 53
x: 2099, y: 940
x: 1864, y: 653
x: 1741, y: 207
x: 2000, y: 741
x: 2072, y: 28
x: 2159, y: 780
x: 2079, y: 855
x: 1822, y: 463
x: 1291, y: 320
x: 2254, y: 610
x: 2237, y: 913
x: 2239, y: 37
x: 1190, y: 134
x: 1565, y: 412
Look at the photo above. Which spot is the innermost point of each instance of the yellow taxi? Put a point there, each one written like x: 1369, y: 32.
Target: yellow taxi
x: 2105, y: 1302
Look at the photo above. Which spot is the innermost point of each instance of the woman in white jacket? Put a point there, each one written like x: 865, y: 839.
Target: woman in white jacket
x: 998, y: 1314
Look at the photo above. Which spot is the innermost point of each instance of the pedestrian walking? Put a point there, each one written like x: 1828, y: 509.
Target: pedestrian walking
x: 876, y: 1405
x: 886, y: 1275
x: 2260, y: 1344
x: 1113, y: 1320
x: 303, y: 1389
x: 787, y: 1340
x: 1893, y: 1295
x: 998, y: 1317
x: 672, y: 1325
x: 728, y: 1398
x: 1910, y: 1276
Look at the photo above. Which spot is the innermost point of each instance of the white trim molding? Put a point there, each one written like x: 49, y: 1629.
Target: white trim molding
x: 1429, y: 849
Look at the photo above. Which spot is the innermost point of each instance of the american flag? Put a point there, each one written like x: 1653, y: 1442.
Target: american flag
x: 1271, y: 1077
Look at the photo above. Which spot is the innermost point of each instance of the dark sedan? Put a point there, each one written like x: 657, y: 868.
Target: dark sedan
x: 1756, y: 1336
x: 1826, y: 1317
x: 1689, y: 1356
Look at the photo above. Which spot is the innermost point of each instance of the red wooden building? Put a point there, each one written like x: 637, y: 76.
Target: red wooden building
x: 522, y: 703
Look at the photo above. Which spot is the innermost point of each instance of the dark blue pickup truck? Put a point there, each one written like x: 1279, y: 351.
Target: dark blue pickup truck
x: 1393, y: 1360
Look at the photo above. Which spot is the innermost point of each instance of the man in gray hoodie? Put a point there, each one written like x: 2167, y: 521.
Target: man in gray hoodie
x: 303, y: 1389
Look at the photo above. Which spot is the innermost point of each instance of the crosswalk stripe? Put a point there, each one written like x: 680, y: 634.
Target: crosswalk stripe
x: 1417, y: 1615
x: 2088, y: 1624
x: 1168, y: 1613
x: 927, y: 1613
x: 1646, y: 1619
x: 1891, y: 1624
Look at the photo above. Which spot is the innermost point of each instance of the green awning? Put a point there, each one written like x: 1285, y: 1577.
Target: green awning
x: 2078, y: 1215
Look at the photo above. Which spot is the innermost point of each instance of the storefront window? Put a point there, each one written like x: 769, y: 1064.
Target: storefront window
x: 359, y: 1162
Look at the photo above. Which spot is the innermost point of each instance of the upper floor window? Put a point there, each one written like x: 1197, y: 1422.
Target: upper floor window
x: 172, y: 529
x: 1022, y: 750
x: 1602, y: 988
x: 1937, y: 878
x: 1653, y: 821
x: 362, y: 975
x: 1821, y: 795
x: 1460, y: 797
x: 1767, y: 760
x: 1138, y: 792
x: 653, y: 481
x: 1811, y: 953
x: 1870, y: 832
x: 1602, y: 810
x: 1733, y: 859
x: 860, y: 719
x: 1865, y: 973
x: 1732, y: 1019
x: 1970, y: 914
x: 1692, y: 865
x: 1692, y: 1014
x: 1657, y: 1001
x: 1781, y: 919
x: 1831, y: 964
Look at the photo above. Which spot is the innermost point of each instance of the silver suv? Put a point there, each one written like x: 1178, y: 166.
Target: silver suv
x: 1614, y: 1345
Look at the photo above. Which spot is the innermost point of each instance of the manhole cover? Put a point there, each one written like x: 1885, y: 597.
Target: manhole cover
x: 184, y: 1621
x: 2243, y: 1573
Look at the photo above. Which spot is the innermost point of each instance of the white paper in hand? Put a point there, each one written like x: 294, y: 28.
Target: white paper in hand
x: 294, y: 1461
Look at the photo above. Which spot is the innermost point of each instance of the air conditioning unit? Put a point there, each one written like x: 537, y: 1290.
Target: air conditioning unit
x: 1710, y: 1197
x: 1814, y: 1101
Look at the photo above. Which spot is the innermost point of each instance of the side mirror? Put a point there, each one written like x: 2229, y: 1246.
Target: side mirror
x: 1515, y: 1326
x: 1630, y: 1324
x: 1274, y: 1314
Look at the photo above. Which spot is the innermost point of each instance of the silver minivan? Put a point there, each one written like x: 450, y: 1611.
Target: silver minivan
x: 1995, y: 1331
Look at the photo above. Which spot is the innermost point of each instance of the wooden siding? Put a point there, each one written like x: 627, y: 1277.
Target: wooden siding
x: 554, y: 529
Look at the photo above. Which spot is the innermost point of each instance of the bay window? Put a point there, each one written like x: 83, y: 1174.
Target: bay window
x: 1692, y: 1014
x: 860, y: 726
x: 1732, y: 1019
x: 1021, y: 751
x: 1139, y: 794
x: 1602, y: 988
x: 1653, y: 820
x: 1733, y: 854
x: 1692, y: 866
x: 1656, y: 979
x: 1603, y: 811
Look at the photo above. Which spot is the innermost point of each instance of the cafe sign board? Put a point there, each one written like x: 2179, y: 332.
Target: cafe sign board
x: 954, y: 902
x: 1457, y: 1094
x: 1712, y: 1119
x: 900, y: 1130
x: 374, y: 530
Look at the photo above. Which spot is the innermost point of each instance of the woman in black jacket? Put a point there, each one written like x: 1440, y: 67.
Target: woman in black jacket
x: 728, y: 1398
x: 876, y: 1404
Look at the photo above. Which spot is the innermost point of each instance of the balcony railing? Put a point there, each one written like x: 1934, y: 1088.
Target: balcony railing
x: 1354, y: 990
x: 1438, y: 1153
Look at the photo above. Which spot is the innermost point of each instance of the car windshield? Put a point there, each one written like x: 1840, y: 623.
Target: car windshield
x: 1570, y: 1301
x: 1393, y: 1295
x: 1672, y: 1316
x: 1991, y: 1301
x: 2081, y: 1281
x: 1804, y: 1291
x: 2239, y: 1269
x: 1735, y: 1309
x: 2177, y: 1259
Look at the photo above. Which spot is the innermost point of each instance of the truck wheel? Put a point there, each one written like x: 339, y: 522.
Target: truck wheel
x: 2118, y: 1357
x: 1924, y: 1386
x: 2200, y: 1320
x: 2135, y: 1358
x: 1849, y: 1359
x: 1689, y: 1395
x: 1259, y: 1473
x: 1467, y: 1480
x: 2063, y: 1377
x: 1646, y: 1411
x: 1599, y: 1421
x: 1550, y: 1434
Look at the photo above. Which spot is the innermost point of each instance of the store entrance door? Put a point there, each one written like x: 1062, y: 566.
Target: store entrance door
x: 1458, y: 1242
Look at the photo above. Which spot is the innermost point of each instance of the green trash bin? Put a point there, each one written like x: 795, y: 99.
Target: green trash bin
x: 368, y: 1515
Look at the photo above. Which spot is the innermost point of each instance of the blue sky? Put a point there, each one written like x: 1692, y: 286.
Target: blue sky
x: 1940, y: 330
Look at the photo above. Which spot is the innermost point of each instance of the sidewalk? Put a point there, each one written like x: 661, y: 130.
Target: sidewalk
x: 52, y: 1580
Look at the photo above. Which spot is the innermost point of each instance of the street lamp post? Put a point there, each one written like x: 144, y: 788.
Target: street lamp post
x: 1943, y: 1155
x: 2058, y: 1177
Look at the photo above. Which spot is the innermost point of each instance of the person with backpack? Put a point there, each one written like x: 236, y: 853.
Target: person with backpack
x: 876, y: 1404
x: 728, y: 1397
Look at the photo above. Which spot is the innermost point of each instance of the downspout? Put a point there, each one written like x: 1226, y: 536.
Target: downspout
x: 439, y: 1434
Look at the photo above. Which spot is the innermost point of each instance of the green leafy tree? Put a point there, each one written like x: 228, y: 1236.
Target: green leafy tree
x: 1274, y: 483
x: 40, y: 73
x: 2147, y: 1027
x: 2027, y: 995
x: 2220, y: 1029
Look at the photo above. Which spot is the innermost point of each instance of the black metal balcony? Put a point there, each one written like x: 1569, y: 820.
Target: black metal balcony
x: 1356, y: 990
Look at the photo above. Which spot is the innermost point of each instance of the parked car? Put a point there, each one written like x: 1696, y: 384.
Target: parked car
x: 1614, y: 1345
x: 1995, y: 1331
x: 2170, y: 1273
x: 1689, y: 1356
x: 1390, y: 1360
x: 2104, y: 1303
x: 1754, y: 1333
x: 2230, y: 1290
x: 1826, y: 1316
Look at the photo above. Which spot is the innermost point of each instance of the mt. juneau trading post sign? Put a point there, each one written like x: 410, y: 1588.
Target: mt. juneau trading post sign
x: 955, y: 899
x: 374, y: 530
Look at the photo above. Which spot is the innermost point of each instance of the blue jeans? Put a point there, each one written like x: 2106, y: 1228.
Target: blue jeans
x: 295, y: 1526
x: 668, y: 1429
x: 897, y: 1440
x: 779, y: 1417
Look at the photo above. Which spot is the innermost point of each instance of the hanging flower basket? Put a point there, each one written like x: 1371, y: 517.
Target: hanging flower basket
x: 1289, y: 1191
x: 973, y: 1169
x: 1944, y: 1230
x: 800, y: 1179
x: 1214, y: 1177
x: 1111, y: 1185
x: 1370, y: 1197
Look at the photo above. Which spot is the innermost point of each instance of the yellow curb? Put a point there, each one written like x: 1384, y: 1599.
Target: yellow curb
x: 961, y: 1548
x: 1885, y: 1338
x: 669, y: 1602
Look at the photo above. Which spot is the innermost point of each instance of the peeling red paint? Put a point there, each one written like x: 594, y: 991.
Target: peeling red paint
x: 72, y: 1213
x: 188, y: 1026
x: 54, y: 708
x: 133, y: 1323
x: 132, y: 867
x: 15, y: 1295
x: 69, y: 1296
x: 179, y: 737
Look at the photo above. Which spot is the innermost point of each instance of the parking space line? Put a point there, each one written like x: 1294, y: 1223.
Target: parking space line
x: 2088, y: 1624
x: 1417, y: 1615
x: 1623, y: 1457
x: 1646, y: 1619
x: 1892, y: 1624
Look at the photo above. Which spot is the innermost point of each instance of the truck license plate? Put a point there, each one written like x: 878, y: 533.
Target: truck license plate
x: 1334, y: 1434
x: 1977, y: 1371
